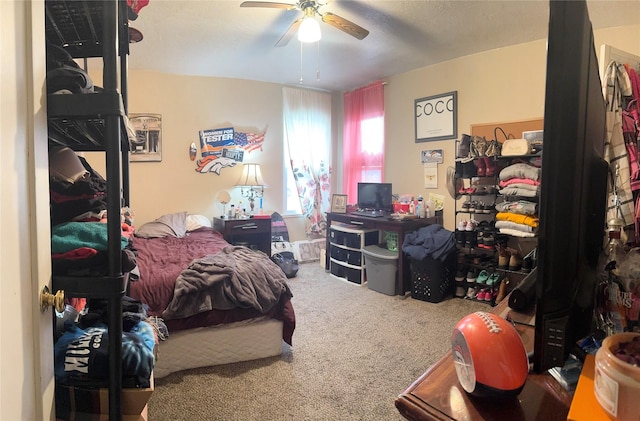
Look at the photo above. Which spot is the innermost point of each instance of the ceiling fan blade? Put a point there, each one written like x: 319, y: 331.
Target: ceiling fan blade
x: 293, y: 30
x: 270, y: 4
x: 345, y: 25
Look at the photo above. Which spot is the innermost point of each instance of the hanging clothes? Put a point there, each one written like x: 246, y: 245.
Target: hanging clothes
x: 620, y: 204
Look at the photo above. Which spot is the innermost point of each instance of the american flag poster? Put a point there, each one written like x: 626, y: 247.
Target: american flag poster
x: 221, y: 148
x: 213, y: 141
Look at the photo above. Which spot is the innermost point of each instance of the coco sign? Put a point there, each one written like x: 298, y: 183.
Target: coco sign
x: 436, y: 117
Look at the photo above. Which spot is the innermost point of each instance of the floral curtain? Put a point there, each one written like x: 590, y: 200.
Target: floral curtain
x: 307, y: 133
x: 362, y: 152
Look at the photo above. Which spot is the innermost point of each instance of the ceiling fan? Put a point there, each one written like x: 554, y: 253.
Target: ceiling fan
x: 310, y: 8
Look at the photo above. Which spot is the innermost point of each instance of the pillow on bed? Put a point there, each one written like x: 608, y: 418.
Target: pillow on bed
x: 174, y: 224
x: 197, y: 221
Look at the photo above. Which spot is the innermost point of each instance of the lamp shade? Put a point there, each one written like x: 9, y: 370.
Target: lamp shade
x: 251, y: 176
x: 309, y: 30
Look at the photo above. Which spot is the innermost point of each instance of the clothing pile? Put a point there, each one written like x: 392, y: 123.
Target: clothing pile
x: 518, y: 217
x: 78, y: 203
x: 82, y: 351
x: 431, y: 241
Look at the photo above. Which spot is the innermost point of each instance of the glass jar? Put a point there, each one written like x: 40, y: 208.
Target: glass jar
x: 617, y: 383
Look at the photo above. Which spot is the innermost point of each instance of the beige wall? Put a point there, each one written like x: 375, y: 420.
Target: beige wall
x: 499, y: 85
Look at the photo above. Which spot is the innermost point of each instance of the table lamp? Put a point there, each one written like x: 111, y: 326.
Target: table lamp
x: 251, y: 183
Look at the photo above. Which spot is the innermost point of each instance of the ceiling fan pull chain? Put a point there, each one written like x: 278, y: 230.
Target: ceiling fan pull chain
x: 301, y: 63
x: 318, y: 63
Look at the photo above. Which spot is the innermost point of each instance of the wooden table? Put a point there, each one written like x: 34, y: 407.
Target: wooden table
x: 384, y: 224
x: 437, y: 394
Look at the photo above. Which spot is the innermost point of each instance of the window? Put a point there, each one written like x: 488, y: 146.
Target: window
x: 307, y: 144
x: 363, y: 143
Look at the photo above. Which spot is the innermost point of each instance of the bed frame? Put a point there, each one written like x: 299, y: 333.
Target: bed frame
x: 215, y: 345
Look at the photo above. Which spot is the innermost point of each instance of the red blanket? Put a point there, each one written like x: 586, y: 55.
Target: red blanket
x: 160, y: 262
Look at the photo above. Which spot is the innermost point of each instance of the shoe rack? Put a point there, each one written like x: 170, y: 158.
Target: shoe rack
x: 489, y: 263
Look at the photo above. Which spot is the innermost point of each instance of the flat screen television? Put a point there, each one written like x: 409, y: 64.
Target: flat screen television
x: 375, y: 197
x: 573, y: 188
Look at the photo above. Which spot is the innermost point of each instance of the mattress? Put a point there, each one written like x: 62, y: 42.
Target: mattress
x: 214, y: 345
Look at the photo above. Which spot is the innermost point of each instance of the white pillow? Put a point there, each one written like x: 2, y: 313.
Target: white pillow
x: 197, y: 221
x: 171, y: 224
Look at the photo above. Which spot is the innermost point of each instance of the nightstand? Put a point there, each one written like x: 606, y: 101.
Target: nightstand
x: 254, y: 233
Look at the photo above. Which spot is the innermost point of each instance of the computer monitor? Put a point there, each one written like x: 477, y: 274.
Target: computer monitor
x: 375, y: 197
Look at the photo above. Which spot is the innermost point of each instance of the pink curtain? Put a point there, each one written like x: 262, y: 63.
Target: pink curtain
x: 359, y: 162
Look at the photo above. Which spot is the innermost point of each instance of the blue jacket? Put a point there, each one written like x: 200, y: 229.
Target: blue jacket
x: 431, y: 241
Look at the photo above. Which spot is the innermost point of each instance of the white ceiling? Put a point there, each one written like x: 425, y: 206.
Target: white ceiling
x: 219, y: 38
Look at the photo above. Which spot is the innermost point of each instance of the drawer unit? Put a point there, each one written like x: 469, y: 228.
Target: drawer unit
x: 254, y: 233
x: 351, y: 274
x: 353, y: 238
x: 352, y: 257
x: 345, y: 252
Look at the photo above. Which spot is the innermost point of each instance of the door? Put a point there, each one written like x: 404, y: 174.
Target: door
x: 38, y: 204
x: 26, y: 333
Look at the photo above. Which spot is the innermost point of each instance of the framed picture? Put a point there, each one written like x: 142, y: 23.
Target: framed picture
x: 436, y: 117
x: 339, y: 203
x: 148, y: 143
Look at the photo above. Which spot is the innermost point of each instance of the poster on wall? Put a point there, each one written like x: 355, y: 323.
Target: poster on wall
x: 225, y: 147
x: 436, y: 117
x: 147, y: 145
x: 431, y: 156
x: 431, y: 176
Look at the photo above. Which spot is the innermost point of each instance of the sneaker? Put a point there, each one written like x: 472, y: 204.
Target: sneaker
x: 460, y: 274
x: 471, y: 225
x: 527, y: 264
x: 482, y: 294
x: 493, y: 279
x: 472, y: 275
x: 462, y: 225
x: 488, y: 295
x: 482, y: 277
x: 472, y: 292
x: 460, y: 291
x: 488, y: 241
x: 460, y: 237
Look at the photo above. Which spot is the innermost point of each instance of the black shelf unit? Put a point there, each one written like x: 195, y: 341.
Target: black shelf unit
x: 96, y: 122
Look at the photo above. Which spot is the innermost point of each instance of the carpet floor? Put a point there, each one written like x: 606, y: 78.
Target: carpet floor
x: 354, y: 351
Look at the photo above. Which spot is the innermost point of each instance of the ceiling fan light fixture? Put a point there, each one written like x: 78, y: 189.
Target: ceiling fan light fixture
x: 309, y: 30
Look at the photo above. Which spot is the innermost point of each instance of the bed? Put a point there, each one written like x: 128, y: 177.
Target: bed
x: 181, y: 260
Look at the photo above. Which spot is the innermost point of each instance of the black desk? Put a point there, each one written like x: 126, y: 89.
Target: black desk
x: 384, y: 224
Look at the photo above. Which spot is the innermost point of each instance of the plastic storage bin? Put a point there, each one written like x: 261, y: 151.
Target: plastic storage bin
x: 381, y: 266
x: 432, y: 280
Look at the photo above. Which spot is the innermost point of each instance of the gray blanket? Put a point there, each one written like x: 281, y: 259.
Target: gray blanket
x: 235, y: 277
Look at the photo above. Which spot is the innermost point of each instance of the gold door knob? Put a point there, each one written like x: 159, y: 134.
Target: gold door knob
x: 48, y: 299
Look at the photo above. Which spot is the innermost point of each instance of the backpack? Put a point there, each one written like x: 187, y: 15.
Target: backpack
x: 287, y: 262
